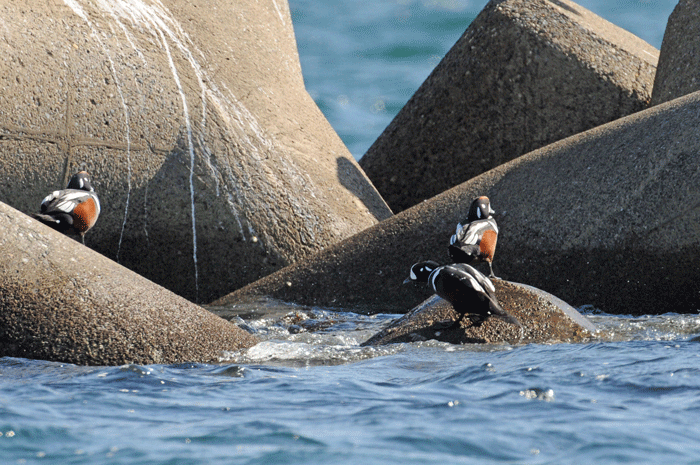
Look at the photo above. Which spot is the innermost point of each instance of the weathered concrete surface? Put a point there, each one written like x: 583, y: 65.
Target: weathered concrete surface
x: 545, y: 319
x: 609, y: 217
x: 62, y: 301
x: 213, y: 164
x: 526, y: 73
x: 678, y: 73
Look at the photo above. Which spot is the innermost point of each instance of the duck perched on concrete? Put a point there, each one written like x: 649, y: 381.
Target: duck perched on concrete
x: 468, y: 290
x: 73, y: 210
x: 475, y: 238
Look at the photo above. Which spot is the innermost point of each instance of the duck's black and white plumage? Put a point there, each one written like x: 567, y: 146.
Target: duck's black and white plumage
x: 475, y: 238
x: 468, y: 290
x: 73, y: 210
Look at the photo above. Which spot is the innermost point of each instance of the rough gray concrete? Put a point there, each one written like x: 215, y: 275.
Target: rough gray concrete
x: 678, y: 73
x: 525, y: 73
x: 63, y: 302
x: 545, y: 319
x: 213, y: 164
x: 609, y: 217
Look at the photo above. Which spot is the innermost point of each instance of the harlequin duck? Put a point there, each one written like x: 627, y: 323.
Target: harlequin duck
x: 465, y: 288
x: 476, y: 238
x: 73, y: 210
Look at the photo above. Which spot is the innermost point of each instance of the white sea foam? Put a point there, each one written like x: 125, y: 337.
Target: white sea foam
x: 298, y: 353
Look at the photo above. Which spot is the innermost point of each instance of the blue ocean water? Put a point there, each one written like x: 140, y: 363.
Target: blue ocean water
x: 315, y: 397
x: 310, y: 394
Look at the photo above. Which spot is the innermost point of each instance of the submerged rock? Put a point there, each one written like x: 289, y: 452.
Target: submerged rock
x: 545, y: 319
x: 608, y: 218
x: 525, y: 73
x: 63, y: 302
x: 213, y: 164
x: 678, y: 73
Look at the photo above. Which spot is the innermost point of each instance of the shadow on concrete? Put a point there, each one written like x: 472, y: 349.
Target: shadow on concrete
x: 356, y: 181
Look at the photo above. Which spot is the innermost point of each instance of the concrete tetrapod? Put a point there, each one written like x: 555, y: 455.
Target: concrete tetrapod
x: 608, y: 217
x: 61, y: 301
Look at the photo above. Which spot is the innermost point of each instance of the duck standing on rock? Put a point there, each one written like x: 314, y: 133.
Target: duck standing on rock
x: 476, y: 238
x: 73, y: 210
x: 468, y: 290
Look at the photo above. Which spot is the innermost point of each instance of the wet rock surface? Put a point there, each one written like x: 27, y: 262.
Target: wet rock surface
x: 63, y: 302
x: 545, y: 319
x: 607, y: 218
x: 213, y: 164
x: 524, y: 74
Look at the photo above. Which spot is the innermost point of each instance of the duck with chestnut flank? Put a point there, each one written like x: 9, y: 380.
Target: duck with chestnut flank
x: 475, y: 238
x: 73, y: 210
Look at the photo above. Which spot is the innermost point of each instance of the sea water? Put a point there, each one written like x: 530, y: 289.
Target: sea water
x: 310, y: 394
